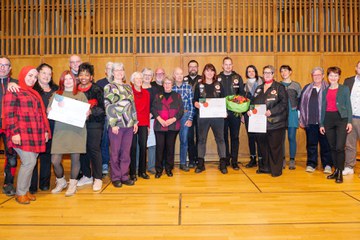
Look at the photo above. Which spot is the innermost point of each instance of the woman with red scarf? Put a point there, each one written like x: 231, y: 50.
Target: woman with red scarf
x: 27, y: 129
x: 274, y: 96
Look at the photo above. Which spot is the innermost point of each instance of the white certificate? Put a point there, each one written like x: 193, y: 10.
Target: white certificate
x: 213, y: 108
x: 258, y: 120
x: 151, y: 137
x: 68, y: 110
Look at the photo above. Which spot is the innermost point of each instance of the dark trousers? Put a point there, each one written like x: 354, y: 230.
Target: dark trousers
x: 253, y: 145
x: 105, y: 154
x: 313, y: 139
x: 335, y: 130
x: 271, y: 149
x: 232, y: 124
x: 140, y: 138
x: 193, y: 141
x: 42, y: 178
x: 217, y: 127
x: 93, y: 154
x: 165, y: 140
x: 10, y: 162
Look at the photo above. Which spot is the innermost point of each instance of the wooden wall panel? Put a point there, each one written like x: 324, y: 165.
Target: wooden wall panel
x: 100, y: 64
x: 300, y: 63
x: 346, y: 62
x: 167, y: 62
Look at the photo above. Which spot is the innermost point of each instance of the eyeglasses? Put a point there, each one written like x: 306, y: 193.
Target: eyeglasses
x: 268, y: 73
x: 4, y: 65
x: 118, y: 70
x: 147, y: 75
x: 317, y: 75
x: 161, y: 73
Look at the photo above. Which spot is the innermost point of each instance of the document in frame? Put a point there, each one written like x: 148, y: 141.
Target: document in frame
x: 258, y: 120
x: 213, y: 108
x: 68, y: 110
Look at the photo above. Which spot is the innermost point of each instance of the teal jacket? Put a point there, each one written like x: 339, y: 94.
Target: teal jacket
x: 343, y: 104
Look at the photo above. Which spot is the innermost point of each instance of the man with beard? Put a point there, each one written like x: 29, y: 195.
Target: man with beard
x: 193, y: 78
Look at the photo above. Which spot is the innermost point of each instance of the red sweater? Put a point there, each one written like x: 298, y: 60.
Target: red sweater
x: 142, y: 105
x: 331, y: 100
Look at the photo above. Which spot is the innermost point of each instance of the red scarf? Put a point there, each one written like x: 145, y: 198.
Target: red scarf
x: 270, y: 81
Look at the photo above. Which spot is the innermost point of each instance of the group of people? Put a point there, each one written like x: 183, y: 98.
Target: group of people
x: 133, y: 127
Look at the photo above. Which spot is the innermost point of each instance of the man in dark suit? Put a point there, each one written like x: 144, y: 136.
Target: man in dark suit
x: 351, y: 141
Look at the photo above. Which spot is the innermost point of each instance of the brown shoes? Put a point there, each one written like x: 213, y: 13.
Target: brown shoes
x: 30, y: 196
x: 25, y: 199
x: 22, y: 199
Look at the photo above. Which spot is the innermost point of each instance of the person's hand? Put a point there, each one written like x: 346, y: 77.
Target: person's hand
x: 88, y: 113
x: 135, y: 128
x: 348, y: 127
x: 188, y: 123
x: 197, y: 104
x: 170, y: 121
x: 115, y: 130
x: 161, y: 121
x: 249, y: 113
x: 301, y: 125
x: 13, y: 87
x: 242, y: 119
x: 322, y: 130
x: 268, y: 113
x: 16, y: 139
x: 46, y: 136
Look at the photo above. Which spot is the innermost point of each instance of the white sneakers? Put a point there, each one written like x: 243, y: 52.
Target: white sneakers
x: 72, y: 188
x: 327, y: 169
x: 97, y: 185
x: 348, y: 171
x: 310, y: 169
x: 60, y: 185
x: 84, y: 181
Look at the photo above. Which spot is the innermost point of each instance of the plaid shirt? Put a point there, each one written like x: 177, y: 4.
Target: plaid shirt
x: 187, y: 97
x: 23, y: 115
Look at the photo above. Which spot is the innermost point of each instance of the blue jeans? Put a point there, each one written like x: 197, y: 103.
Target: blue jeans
x: 292, y: 142
x: 151, y: 157
x: 184, y: 138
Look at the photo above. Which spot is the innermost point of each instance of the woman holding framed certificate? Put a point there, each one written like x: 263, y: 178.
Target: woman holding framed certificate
x: 274, y: 96
x: 209, y: 87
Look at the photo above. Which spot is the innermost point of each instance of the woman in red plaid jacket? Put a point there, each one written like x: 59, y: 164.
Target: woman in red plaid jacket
x: 26, y: 128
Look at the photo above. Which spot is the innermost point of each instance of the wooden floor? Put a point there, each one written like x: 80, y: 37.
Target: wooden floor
x: 239, y: 205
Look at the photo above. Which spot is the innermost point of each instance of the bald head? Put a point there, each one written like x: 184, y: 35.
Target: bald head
x: 178, y: 76
x: 74, y: 63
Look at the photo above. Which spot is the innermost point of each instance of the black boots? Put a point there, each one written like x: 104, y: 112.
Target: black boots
x: 222, y: 166
x: 252, y: 162
x: 334, y: 174
x: 339, y: 178
x: 200, y: 165
x: 337, y: 175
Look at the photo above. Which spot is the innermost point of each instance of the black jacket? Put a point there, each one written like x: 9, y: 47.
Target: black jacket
x: 276, y: 100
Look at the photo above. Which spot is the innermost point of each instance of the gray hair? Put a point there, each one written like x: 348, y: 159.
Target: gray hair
x: 148, y: 70
x: 317, y: 69
x: 135, y: 75
x: 271, y: 67
x: 117, y: 66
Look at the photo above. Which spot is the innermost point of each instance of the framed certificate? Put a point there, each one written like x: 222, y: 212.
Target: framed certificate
x: 213, y: 108
x: 258, y: 120
x: 68, y: 110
